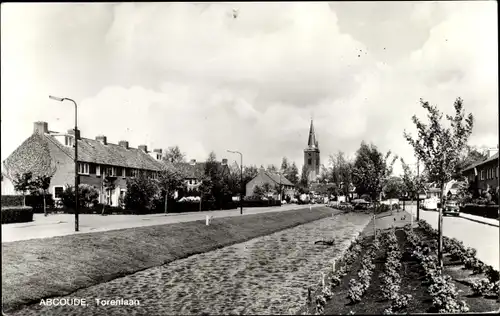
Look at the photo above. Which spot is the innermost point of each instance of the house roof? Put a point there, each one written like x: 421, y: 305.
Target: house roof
x: 34, y: 155
x: 195, y: 171
x: 479, y: 163
x: 93, y: 151
x: 276, y: 178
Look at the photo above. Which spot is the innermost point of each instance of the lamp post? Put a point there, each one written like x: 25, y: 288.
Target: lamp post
x: 241, y: 178
x: 76, y: 154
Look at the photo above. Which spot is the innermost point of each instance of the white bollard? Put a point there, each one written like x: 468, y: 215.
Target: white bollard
x: 322, y: 279
x: 333, y: 266
x: 208, y: 220
x: 310, y: 207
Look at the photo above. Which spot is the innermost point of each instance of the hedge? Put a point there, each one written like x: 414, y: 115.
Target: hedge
x: 488, y: 211
x: 12, y: 200
x: 17, y: 214
x: 261, y: 203
x: 36, y: 202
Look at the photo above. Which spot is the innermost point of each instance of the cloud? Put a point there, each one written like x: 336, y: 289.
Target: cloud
x: 192, y: 75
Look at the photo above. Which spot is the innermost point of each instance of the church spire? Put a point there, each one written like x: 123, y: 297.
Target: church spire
x: 312, y: 142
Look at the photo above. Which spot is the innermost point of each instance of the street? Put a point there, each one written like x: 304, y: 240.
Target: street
x: 64, y: 224
x: 484, y: 238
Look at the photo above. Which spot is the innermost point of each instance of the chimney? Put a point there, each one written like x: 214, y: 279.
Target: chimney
x: 224, y: 162
x: 72, y: 132
x: 492, y: 151
x: 192, y: 162
x: 102, y: 139
x: 40, y: 128
x: 144, y: 148
x: 123, y: 143
x: 158, y: 151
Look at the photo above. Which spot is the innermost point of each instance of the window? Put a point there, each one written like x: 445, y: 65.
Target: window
x: 92, y: 168
x: 124, y: 172
x: 68, y: 141
x: 58, y: 191
x: 98, y: 170
x: 497, y: 172
x: 482, y: 174
x: 83, y: 168
x: 119, y: 171
x: 309, y: 161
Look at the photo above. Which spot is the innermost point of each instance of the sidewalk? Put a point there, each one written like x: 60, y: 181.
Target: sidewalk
x: 64, y: 224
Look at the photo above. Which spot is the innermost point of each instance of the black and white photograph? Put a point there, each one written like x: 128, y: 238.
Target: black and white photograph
x: 250, y: 158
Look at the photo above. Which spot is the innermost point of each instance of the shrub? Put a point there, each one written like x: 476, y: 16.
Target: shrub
x: 141, y: 194
x: 87, y: 195
x: 36, y: 202
x: 481, y: 287
x: 355, y: 291
x: 12, y: 200
x: 17, y: 214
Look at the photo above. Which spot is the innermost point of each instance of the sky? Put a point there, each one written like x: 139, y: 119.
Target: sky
x: 192, y: 75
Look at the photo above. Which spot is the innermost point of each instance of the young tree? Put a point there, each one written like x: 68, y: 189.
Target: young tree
x: 107, y: 185
x: 170, y: 180
x: 439, y: 147
x: 42, y: 183
x: 23, y: 183
x: 174, y: 155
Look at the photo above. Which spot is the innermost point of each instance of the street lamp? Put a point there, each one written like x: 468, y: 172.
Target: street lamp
x: 76, y: 155
x: 241, y: 177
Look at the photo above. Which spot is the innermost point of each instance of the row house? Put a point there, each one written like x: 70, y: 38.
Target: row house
x: 47, y: 152
x: 483, y: 175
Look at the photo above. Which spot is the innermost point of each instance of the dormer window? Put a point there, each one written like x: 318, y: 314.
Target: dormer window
x: 69, y: 141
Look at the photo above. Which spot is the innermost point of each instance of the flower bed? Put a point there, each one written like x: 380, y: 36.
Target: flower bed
x: 404, y: 279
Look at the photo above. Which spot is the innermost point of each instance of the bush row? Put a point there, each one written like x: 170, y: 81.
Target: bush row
x: 16, y: 214
x: 488, y: 211
x: 357, y: 288
x: 391, y: 278
x: 442, y: 290
x: 334, y: 278
x: 467, y: 256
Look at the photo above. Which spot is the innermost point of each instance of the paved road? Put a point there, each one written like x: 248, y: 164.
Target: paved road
x: 64, y: 224
x: 484, y: 237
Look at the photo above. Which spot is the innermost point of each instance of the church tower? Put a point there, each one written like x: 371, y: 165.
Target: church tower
x: 311, y: 156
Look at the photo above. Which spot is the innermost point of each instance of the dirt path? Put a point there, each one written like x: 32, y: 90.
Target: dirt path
x: 266, y: 275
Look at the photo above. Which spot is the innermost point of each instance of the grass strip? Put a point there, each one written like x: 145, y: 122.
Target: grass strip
x: 42, y: 268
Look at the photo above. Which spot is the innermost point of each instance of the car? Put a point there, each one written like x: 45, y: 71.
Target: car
x: 430, y: 204
x: 451, y: 208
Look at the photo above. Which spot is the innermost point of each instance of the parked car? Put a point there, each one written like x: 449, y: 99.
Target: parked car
x: 451, y: 208
x: 430, y: 204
